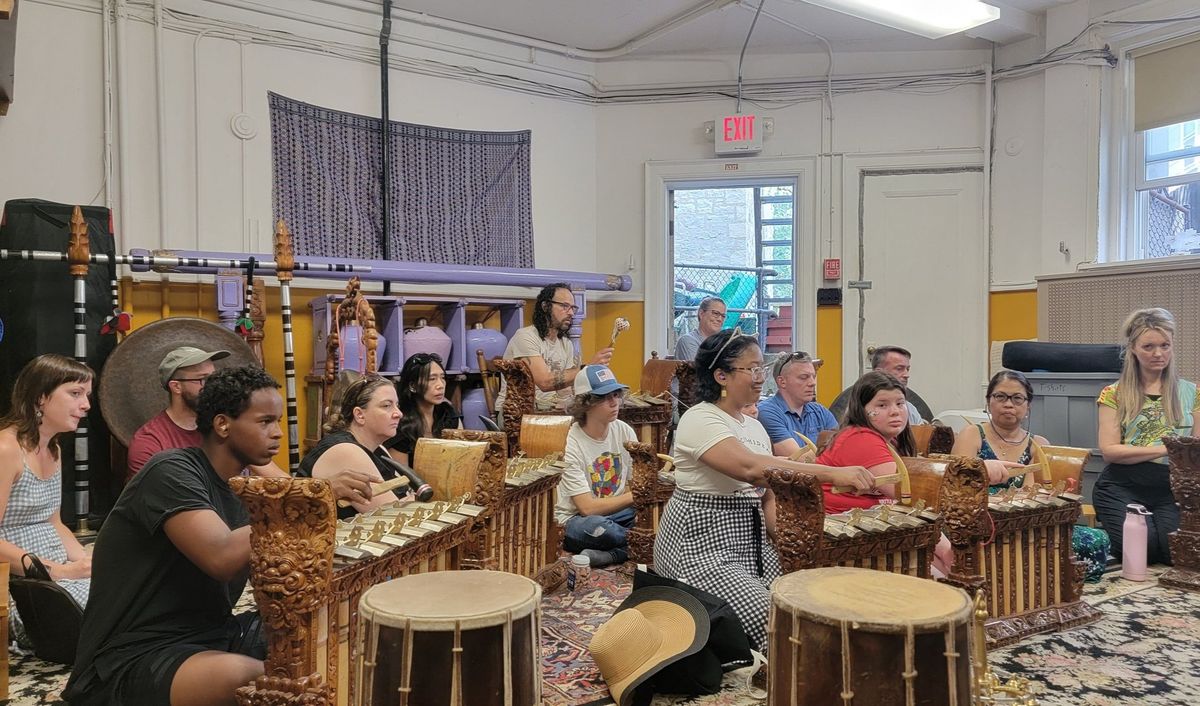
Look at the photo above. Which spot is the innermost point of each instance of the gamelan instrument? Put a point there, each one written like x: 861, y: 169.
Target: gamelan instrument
x: 1184, y: 456
x: 898, y: 538
x: 458, y: 638
x: 652, y: 481
x: 1014, y: 545
x: 308, y: 571
x: 843, y: 635
x: 517, y: 532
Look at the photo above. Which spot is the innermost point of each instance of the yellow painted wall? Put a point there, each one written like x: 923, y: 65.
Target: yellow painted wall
x: 829, y: 349
x: 1012, y: 315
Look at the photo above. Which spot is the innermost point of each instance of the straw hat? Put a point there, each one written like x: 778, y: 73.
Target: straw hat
x: 655, y: 626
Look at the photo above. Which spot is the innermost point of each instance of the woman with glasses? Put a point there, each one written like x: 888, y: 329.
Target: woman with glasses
x: 717, y: 529
x: 363, y: 413
x: 421, y: 391
x: 595, y: 505
x: 1004, y: 443
x: 1147, y: 403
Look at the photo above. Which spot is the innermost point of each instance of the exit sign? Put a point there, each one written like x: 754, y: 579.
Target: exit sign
x: 738, y: 134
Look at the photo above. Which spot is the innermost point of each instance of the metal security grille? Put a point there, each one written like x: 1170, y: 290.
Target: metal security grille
x: 1089, y: 307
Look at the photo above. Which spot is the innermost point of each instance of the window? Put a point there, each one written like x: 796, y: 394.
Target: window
x: 1167, y: 206
x: 1162, y: 185
x: 736, y: 241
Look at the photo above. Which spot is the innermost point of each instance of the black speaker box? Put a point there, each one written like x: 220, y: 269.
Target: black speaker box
x: 37, y: 304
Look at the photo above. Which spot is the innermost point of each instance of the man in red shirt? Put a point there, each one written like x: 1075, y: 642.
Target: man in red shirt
x: 182, y: 373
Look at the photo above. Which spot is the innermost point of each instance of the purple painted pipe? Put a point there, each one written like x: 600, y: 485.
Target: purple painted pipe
x: 412, y: 272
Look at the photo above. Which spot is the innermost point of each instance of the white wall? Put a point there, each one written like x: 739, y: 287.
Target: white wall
x: 51, y: 141
x: 588, y: 170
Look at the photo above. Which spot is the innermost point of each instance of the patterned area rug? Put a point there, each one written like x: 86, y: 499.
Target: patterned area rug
x: 1145, y: 652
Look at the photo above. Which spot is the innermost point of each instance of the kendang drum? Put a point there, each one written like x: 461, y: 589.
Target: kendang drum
x: 840, y: 636
x: 458, y: 638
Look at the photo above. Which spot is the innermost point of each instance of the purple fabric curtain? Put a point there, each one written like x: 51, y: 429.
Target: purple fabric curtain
x: 457, y: 196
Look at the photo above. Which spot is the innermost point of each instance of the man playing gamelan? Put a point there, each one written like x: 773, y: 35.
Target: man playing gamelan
x: 172, y: 559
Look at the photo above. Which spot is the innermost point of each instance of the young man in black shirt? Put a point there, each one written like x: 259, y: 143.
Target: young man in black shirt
x: 172, y: 560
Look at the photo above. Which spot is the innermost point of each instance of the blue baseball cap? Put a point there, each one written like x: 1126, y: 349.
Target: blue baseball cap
x: 597, y: 380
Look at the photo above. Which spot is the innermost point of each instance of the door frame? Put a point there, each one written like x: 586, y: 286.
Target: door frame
x: 665, y: 175
x: 856, y: 169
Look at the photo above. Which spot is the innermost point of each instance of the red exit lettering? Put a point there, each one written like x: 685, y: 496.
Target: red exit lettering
x: 738, y: 128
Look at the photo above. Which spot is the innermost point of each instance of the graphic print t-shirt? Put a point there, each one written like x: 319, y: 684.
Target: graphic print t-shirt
x: 601, y: 468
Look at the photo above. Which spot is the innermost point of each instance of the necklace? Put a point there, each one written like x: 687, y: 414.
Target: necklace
x: 1003, y: 452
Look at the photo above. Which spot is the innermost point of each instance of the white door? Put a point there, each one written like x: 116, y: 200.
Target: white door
x: 922, y: 249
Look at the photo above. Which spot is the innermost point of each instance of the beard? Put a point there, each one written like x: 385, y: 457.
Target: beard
x: 564, y: 328
x: 190, y: 401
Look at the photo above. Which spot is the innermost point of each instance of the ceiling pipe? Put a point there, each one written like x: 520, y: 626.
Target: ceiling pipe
x: 616, y: 52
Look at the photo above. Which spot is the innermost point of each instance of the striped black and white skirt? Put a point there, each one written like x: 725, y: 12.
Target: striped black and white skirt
x: 718, y: 543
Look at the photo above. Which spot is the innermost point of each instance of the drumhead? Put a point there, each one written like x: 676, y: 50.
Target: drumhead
x: 879, y: 601
x: 439, y: 600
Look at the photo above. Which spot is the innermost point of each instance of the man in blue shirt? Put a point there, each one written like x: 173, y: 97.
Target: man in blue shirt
x: 794, y: 407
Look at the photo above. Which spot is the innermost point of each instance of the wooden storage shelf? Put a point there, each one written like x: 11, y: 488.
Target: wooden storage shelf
x: 393, y: 314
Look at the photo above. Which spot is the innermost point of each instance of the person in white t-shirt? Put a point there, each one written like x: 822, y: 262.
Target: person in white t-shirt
x: 717, y: 530
x: 548, y: 350
x: 594, y: 505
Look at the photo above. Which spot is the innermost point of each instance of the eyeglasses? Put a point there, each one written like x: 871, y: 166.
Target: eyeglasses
x: 737, y: 333
x: 758, y: 372
x: 1001, y: 398
x: 569, y: 307
x: 200, y: 380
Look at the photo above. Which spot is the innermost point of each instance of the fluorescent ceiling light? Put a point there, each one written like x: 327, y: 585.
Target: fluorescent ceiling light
x: 928, y: 18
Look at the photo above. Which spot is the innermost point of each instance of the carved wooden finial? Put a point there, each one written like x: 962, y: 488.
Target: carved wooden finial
x: 258, y: 315
x: 77, y: 249
x: 285, y: 260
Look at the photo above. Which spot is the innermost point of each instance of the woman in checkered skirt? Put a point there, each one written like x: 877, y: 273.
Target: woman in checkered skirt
x: 717, y: 529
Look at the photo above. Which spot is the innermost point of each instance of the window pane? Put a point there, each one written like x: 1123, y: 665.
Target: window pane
x: 1173, y: 150
x: 777, y: 210
x: 777, y: 190
x: 778, y: 291
x: 1168, y: 221
x: 784, y: 271
x: 779, y: 232
x: 777, y: 252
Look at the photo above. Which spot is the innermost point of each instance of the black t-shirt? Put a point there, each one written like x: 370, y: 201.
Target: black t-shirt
x: 145, y: 593
x: 386, y: 470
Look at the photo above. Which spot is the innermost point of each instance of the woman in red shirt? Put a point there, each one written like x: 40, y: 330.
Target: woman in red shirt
x: 876, y: 419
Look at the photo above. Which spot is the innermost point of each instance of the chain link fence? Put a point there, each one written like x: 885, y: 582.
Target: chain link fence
x: 1170, y: 214
x: 741, y: 288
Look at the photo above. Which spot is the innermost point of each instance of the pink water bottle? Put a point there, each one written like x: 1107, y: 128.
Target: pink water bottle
x: 1133, y: 543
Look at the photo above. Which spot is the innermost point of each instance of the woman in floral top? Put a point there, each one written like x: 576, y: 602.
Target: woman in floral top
x: 1148, y: 403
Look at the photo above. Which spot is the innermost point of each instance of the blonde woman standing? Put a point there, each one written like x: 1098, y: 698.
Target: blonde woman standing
x: 1148, y: 403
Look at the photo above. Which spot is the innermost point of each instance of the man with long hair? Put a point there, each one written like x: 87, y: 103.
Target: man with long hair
x: 548, y: 349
